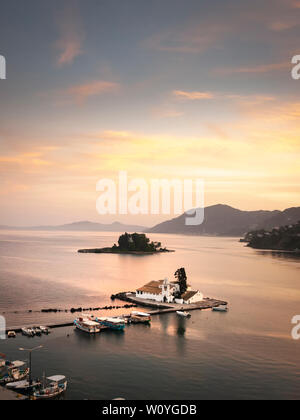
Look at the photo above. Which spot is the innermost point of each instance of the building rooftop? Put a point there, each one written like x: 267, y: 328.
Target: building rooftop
x: 189, y: 294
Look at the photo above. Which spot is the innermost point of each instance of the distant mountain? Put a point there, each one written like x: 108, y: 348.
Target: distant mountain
x: 85, y: 226
x: 222, y: 220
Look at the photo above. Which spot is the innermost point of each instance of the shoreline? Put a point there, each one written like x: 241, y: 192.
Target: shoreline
x: 111, y: 251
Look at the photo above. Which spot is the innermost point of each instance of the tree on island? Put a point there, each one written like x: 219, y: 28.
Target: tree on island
x: 181, y: 277
x: 136, y: 242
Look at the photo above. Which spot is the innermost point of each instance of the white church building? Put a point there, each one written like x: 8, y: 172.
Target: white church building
x: 164, y: 291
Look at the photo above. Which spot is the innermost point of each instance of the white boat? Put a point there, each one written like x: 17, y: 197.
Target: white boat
x: 23, y: 386
x: 28, y: 331
x: 11, y: 334
x: 87, y: 325
x: 137, y: 317
x: 15, y: 371
x: 221, y: 308
x: 184, y: 314
x: 56, y: 386
x: 37, y: 330
x: 45, y: 330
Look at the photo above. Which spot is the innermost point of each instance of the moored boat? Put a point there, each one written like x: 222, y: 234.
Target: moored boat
x: 137, y: 317
x: 45, y: 330
x: 37, y: 330
x: 11, y: 334
x: 113, y: 323
x: 15, y: 371
x: 183, y: 314
x: 53, y: 387
x: 28, y: 331
x: 23, y: 386
x: 220, y: 308
x: 87, y: 325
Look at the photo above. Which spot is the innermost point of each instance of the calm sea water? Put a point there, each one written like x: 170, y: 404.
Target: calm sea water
x: 245, y: 353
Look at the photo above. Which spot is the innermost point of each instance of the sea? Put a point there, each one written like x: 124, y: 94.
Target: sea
x: 247, y: 353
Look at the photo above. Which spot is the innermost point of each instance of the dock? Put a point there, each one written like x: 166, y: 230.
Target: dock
x: 158, y: 308
x: 162, y: 308
x: 9, y: 395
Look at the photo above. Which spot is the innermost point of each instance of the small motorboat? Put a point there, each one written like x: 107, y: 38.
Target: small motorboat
x: 87, y: 325
x: 11, y: 334
x: 184, y: 314
x: 112, y: 323
x: 37, y: 330
x: 15, y: 371
x: 53, y: 387
x: 137, y: 317
x: 24, y: 386
x: 220, y: 308
x: 45, y: 330
x: 28, y: 331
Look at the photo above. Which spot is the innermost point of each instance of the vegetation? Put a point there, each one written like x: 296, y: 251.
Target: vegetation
x: 136, y: 242
x: 285, y: 238
x: 180, y: 275
x: 130, y: 243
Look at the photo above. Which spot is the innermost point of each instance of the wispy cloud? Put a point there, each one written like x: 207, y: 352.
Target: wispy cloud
x: 192, y: 96
x: 69, y: 44
x: 79, y: 94
x: 191, y: 38
x: 262, y: 68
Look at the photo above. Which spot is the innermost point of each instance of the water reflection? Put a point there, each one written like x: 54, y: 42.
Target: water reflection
x: 284, y: 255
x: 181, y: 326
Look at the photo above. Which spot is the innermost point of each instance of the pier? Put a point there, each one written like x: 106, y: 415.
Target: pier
x: 161, y: 307
x: 158, y: 308
x: 8, y: 395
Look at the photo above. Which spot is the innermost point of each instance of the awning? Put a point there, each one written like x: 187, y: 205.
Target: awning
x: 56, y: 378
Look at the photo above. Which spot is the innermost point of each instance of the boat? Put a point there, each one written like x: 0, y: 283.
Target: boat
x: 45, y: 330
x: 113, y: 323
x: 137, y: 317
x: 220, y: 308
x: 28, y: 331
x: 11, y: 334
x: 55, y: 386
x: 37, y: 330
x: 15, y: 371
x: 24, y: 386
x: 87, y: 325
x: 184, y: 314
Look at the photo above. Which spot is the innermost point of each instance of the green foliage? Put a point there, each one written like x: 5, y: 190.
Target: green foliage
x: 137, y: 242
x: 285, y: 238
x: 181, y: 277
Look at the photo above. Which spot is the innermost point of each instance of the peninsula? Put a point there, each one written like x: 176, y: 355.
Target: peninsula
x: 284, y: 238
x: 135, y: 243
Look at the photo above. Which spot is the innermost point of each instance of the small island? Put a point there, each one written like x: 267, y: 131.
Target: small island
x: 130, y: 243
x: 284, y: 238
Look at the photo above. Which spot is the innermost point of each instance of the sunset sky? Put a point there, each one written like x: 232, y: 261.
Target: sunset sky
x: 161, y: 89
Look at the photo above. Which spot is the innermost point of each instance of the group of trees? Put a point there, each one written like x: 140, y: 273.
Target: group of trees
x: 283, y: 238
x: 136, y: 242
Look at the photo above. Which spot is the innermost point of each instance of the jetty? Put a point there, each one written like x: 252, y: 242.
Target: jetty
x: 9, y: 395
x: 162, y: 308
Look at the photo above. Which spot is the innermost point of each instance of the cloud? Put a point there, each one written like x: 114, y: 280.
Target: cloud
x: 71, y: 37
x: 79, y: 94
x: 194, y: 95
x: 191, y: 38
x: 262, y: 68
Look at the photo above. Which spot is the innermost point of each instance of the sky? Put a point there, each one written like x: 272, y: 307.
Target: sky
x: 194, y: 89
